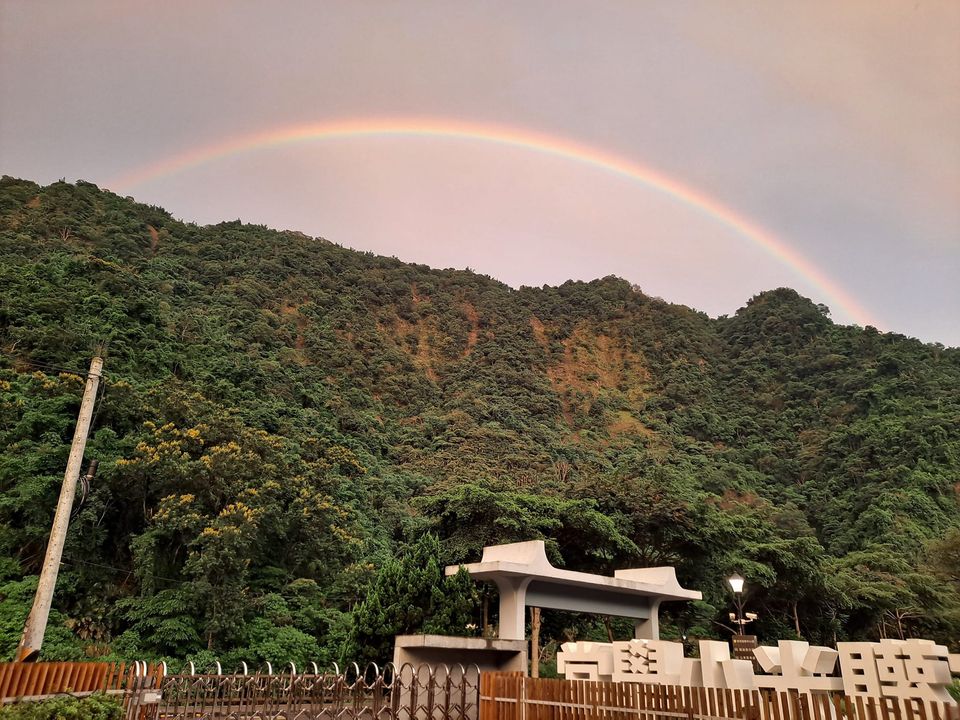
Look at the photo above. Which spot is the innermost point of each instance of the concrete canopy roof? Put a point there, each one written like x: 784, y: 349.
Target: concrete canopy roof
x: 525, y: 577
x: 529, y: 560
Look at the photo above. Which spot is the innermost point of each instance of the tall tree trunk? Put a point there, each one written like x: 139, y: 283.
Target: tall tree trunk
x: 796, y: 620
x: 535, y: 642
x: 606, y: 624
x: 486, y: 616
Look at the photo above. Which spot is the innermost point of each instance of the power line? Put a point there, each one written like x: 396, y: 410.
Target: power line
x: 39, y: 365
x: 121, y: 570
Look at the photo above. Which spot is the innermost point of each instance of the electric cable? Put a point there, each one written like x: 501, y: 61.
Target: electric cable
x: 69, y: 560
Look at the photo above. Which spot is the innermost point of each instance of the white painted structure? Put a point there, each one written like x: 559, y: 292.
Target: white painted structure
x: 907, y: 671
x: 524, y: 576
x: 472, y: 652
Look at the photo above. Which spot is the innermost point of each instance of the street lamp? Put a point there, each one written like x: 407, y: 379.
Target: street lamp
x: 736, y: 582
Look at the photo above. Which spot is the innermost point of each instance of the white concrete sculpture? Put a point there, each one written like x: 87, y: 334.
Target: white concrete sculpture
x: 901, y: 669
x: 656, y: 662
x: 795, y: 665
x: 639, y: 660
x: 524, y: 576
x: 586, y: 661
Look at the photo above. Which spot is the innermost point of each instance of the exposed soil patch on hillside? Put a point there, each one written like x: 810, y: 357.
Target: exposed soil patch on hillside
x: 292, y: 311
x: 403, y: 333
x: 474, y: 332
x: 154, y: 240
x: 423, y: 352
x: 625, y: 423
x: 539, y: 332
x: 593, y: 363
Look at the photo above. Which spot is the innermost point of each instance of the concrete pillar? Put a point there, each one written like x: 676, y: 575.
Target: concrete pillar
x: 513, y: 607
x: 649, y: 629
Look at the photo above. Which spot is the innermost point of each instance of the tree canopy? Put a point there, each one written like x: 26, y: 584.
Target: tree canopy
x: 284, y: 423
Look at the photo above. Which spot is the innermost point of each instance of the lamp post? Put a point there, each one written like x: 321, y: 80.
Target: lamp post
x: 736, y: 582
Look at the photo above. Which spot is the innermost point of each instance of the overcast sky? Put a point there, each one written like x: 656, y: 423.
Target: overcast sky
x: 834, y: 126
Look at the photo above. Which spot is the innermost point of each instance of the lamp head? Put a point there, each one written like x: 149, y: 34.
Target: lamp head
x: 736, y: 583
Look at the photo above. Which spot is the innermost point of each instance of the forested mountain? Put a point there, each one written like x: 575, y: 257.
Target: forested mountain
x: 289, y: 429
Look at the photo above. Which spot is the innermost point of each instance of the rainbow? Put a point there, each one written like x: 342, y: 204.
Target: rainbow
x: 508, y: 137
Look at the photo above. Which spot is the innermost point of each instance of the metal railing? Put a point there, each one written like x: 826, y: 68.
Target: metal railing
x: 408, y: 693
x: 151, y: 692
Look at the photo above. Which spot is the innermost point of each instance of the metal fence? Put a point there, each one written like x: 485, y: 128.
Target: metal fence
x: 150, y: 692
x: 407, y: 693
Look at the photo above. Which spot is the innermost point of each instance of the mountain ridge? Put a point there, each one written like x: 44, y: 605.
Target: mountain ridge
x: 386, y: 399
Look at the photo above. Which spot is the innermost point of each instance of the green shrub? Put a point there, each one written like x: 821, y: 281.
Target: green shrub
x: 92, y: 707
x: 954, y: 690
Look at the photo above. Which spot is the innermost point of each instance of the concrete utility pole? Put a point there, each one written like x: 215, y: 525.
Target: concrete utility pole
x: 36, y: 625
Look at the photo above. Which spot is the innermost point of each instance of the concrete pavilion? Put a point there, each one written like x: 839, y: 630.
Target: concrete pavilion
x: 525, y: 577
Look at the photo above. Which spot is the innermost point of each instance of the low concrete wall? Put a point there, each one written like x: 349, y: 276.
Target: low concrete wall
x: 488, y: 655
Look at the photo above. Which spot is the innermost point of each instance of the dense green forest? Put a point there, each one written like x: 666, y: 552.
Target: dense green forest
x: 295, y: 437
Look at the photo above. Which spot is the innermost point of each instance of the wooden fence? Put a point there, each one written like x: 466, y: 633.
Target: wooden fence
x: 431, y: 693
x: 27, y: 682
x: 32, y: 681
x: 509, y: 696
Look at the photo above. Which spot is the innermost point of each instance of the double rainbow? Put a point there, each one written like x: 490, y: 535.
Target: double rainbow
x: 508, y: 137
